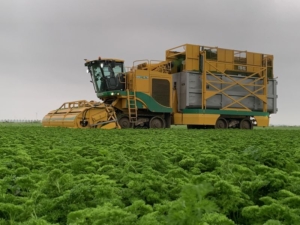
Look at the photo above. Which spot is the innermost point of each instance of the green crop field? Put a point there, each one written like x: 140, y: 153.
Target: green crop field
x: 149, y: 177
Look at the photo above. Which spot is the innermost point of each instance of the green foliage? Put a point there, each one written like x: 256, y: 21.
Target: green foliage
x: 272, y: 222
x: 215, y: 219
x: 149, y: 177
x: 191, y: 206
x: 106, y: 214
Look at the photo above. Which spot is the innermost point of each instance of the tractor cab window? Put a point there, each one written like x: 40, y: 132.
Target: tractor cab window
x: 95, y: 73
x: 107, y: 75
x: 116, y: 70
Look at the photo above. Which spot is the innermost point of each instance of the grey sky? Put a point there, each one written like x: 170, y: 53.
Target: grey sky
x: 43, y: 44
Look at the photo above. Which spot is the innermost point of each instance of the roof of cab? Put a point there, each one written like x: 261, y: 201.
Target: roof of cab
x: 110, y: 59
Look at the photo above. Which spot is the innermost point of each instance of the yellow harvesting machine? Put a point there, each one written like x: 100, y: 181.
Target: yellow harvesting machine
x: 82, y: 114
x: 197, y: 86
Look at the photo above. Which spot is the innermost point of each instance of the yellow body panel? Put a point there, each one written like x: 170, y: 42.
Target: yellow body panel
x: 200, y: 119
x: 109, y: 126
x: 142, y: 81
x: 195, y: 119
x: 262, y: 121
x: 81, y: 114
x: 192, y: 57
x: 220, y: 58
x: 177, y: 119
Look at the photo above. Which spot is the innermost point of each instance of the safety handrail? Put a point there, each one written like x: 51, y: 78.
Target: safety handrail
x: 140, y: 60
x: 79, y: 103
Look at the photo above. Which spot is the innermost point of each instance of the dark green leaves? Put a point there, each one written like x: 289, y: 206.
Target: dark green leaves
x: 149, y: 177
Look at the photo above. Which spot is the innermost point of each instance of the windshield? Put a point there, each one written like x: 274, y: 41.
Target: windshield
x: 105, y: 77
x: 95, y: 75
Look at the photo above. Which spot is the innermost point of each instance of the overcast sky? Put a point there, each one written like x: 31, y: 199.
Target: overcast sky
x: 43, y: 44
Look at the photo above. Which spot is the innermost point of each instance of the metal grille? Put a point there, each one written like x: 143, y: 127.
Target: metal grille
x: 161, y: 91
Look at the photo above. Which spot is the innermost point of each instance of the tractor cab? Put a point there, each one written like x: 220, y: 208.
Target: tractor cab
x: 106, y: 74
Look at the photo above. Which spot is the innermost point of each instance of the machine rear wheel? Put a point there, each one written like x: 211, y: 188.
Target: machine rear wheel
x: 246, y: 124
x: 125, y: 123
x: 157, y: 122
x: 221, y: 124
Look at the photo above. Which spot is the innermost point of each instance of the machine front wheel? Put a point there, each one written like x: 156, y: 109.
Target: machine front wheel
x: 125, y: 123
x: 246, y: 124
x: 157, y: 122
x: 221, y: 124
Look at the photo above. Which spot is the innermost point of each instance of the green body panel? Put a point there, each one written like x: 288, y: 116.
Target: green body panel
x: 139, y: 105
x: 225, y: 112
x: 152, y: 105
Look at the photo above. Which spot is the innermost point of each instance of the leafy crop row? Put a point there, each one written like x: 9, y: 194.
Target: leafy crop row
x: 149, y: 177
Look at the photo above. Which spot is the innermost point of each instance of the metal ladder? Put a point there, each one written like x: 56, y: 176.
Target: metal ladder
x: 132, y: 107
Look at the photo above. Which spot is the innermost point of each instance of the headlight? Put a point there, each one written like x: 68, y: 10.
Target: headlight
x: 112, y: 93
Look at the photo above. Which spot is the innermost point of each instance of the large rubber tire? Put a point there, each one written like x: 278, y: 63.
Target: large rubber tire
x: 157, y: 122
x: 221, y: 124
x: 124, y: 122
x: 246, y: 124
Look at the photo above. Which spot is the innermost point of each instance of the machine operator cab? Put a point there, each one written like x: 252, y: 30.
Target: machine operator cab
x: 106, y: 74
